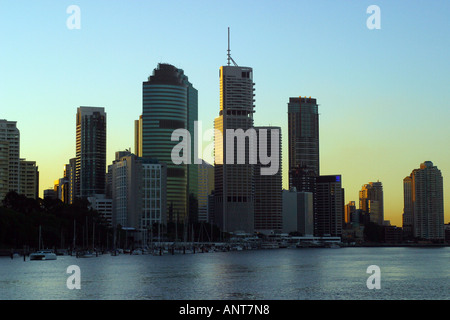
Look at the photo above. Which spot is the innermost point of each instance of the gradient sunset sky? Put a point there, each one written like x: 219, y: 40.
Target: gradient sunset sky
x: 384, y: 95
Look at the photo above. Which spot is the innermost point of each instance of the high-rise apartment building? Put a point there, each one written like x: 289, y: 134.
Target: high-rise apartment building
x: 4, y: 168
x: 371, y: 201
x: 90, y: 167
x: 234, y: 182
x: 170, y: 102
x: 10, y: 135
x: 28, y: 179
x: 424, y: 202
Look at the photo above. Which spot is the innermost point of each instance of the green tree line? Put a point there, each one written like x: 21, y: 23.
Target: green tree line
x: 22, y: 217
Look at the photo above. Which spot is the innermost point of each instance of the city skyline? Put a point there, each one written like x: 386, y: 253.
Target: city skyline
x: 386, y: 85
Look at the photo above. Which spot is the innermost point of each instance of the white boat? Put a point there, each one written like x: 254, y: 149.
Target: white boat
x: 43, y: 255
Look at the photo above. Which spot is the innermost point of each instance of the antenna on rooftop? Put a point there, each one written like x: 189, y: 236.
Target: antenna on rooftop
x: 229, y: 51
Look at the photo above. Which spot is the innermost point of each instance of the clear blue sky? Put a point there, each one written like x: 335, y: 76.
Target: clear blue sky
x: 384, y: 94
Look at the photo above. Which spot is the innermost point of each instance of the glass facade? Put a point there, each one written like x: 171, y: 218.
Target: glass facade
x: 90, y: 167
x: 170, y: 103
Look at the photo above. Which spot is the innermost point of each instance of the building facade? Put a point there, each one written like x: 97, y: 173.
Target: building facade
x: 28, y: 179
x: 234, y: 182
x: 10, y: 135
x: 170, y: 102
x: 303, y: 131
x: 329, y: 215
x: 424, y: 202
x: 268, y: 187
x: 298, y: 214
x: 90, y: 167
x: 371, y: 201
x: 205, y: 188
x: 138, y: 194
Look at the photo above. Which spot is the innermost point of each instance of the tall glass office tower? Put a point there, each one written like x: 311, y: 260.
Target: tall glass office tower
x: 303, y: 125
x: 170, y: 102
x: 90, y: 164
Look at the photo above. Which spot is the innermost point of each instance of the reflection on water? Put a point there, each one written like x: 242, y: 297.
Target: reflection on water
x: 406, y: 273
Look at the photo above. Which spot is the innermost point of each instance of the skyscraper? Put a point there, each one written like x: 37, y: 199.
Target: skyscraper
x: 170, y: 102
x: 303, y: 137
x: 303, y: 130
x: 90, y: 167
x: 426, y: 206
x: 371, y: 201
x: 234, y: 183
x: 268, y: 190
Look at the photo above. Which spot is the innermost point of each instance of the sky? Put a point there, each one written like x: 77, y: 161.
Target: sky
x: 383, y: 94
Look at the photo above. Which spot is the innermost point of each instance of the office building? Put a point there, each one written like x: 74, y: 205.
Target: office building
x: 138, y: 194
x: 103, y: 205
x: 329, y: 215
x: 90, y: 166
x: 298, y: 214
x: 303, y: 134
x: 371, y: 201
x: 268, y: 187
x: 170, y: 102
x: 350, y: 209
x: 234, y: 182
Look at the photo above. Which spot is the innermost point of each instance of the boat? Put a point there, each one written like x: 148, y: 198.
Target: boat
x: 85, y: 254
x: 43, y: 255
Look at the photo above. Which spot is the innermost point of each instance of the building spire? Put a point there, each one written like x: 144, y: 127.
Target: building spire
x: 229, y: 51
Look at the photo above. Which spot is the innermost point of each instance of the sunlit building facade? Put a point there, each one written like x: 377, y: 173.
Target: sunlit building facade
x: 371, y: 201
